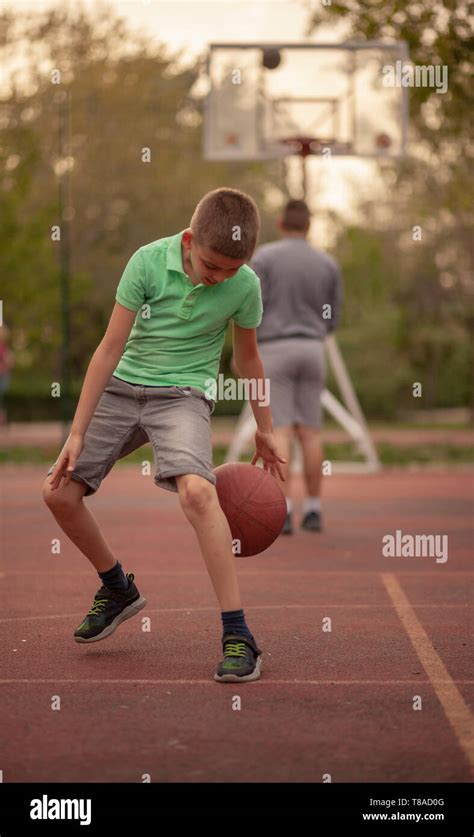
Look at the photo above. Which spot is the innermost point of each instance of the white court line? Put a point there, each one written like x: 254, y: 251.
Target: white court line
x: 269, y: 571
x: 264, y: 682
x: 449, y: 696
x: 190, y: 610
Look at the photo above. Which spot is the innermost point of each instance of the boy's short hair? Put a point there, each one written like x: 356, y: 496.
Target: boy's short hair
x: 296, y: 216
x: 227, y: 221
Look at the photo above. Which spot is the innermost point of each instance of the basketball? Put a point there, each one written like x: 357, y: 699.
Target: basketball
x: 253, y: 504
x: 271, y: 58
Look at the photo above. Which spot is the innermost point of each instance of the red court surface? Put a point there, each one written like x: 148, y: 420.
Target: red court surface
x: 338, y: 703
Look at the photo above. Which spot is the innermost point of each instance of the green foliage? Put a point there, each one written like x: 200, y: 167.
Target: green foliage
x: 117, y: 96
x: 420, y: 326
x: 421, y: 454
x: 408, y: 312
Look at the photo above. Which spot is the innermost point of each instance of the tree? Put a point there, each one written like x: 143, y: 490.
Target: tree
x: 134, y: 163
x: 431, y: 190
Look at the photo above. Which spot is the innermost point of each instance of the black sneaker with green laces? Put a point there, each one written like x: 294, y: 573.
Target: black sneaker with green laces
x: 288, y: 525
x: 109, y: 609
x: 312, y: 522
x: 241, y: 660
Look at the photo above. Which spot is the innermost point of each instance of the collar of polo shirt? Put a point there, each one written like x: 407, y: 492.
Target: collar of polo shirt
x: 174, y: 260
x: 173, y: 256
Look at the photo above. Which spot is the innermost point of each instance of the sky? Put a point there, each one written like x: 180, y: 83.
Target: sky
x: 191, y: 24
x: 195, y: 22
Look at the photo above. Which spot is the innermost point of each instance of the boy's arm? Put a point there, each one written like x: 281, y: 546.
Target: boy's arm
x: 249, y: 365
x: 102, y: 364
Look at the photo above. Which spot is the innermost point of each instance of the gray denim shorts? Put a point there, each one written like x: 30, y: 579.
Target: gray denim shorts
x: 176, y: 420
x: 296, y: 369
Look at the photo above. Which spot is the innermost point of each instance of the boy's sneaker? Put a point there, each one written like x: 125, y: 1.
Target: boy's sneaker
x: 288, y: 525
x: 241, y: 660
x: 312, y: 522
x: 109, y: 609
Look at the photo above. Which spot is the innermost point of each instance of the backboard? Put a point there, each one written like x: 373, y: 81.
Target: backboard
x: 270, y: 100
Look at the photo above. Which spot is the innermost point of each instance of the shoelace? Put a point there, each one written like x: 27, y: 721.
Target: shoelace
x: 97, y: 607
x: 99, y: 604
x: 235, y: 649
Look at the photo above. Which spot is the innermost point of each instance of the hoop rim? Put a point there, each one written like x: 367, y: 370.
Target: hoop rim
x: 311, y: 145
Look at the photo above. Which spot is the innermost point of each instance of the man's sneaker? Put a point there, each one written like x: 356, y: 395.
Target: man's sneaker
x: 109, y: 609
x: 241, y: 660
x: 312, y: 522
x: 288, y: 525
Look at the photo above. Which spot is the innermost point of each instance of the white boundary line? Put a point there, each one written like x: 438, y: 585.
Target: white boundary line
x: 209, y: 681
x: 456, y: 710
x: 189, y: 610
x: 441, y: 572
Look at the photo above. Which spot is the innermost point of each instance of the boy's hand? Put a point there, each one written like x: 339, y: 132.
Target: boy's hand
x: 67, y: 460
x: 266, y: 449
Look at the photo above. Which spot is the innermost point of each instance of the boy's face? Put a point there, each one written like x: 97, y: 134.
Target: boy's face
x: 206, y: 265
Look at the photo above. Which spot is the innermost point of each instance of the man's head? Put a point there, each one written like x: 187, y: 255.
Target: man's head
x: 223, y: 234
x: 295, y: 219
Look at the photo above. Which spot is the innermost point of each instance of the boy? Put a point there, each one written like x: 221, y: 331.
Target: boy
x: 173, y: 303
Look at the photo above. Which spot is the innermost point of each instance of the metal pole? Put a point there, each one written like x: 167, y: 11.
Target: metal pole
x: 349, y: 395
x: 304, y: 176
x: 64, y: 260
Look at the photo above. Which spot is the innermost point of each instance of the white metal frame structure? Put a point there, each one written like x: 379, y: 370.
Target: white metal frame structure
x: 349, y: 415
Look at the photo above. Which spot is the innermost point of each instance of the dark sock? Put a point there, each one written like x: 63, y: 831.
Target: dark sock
x: 233, y: 622
x: 115, y: 579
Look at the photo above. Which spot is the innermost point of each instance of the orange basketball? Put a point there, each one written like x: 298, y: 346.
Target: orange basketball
x: 253, y: 504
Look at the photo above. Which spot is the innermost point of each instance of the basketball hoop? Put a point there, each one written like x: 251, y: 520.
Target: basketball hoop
x: 304, y: 99
x: 304, y: 146
x: 383, y: 141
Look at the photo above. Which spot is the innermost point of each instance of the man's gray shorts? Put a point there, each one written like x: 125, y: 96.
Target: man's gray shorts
x: 296, y: 368
x: 176, y: 420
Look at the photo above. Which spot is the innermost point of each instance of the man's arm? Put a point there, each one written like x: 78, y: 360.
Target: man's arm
x: 249, y: 366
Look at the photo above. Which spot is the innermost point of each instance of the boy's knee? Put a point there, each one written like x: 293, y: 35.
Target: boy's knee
x: 195, y: 493
x: 63, y: 499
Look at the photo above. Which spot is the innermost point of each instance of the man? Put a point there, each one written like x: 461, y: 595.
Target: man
x: 302, y: 295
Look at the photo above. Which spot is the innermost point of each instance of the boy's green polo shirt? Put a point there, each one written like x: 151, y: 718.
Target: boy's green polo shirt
x: 179, y: 330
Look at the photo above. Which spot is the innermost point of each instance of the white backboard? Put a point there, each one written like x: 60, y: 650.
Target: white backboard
x: 339, y: 95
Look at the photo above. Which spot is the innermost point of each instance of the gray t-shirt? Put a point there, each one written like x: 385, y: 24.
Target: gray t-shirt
x: 301, y: 290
